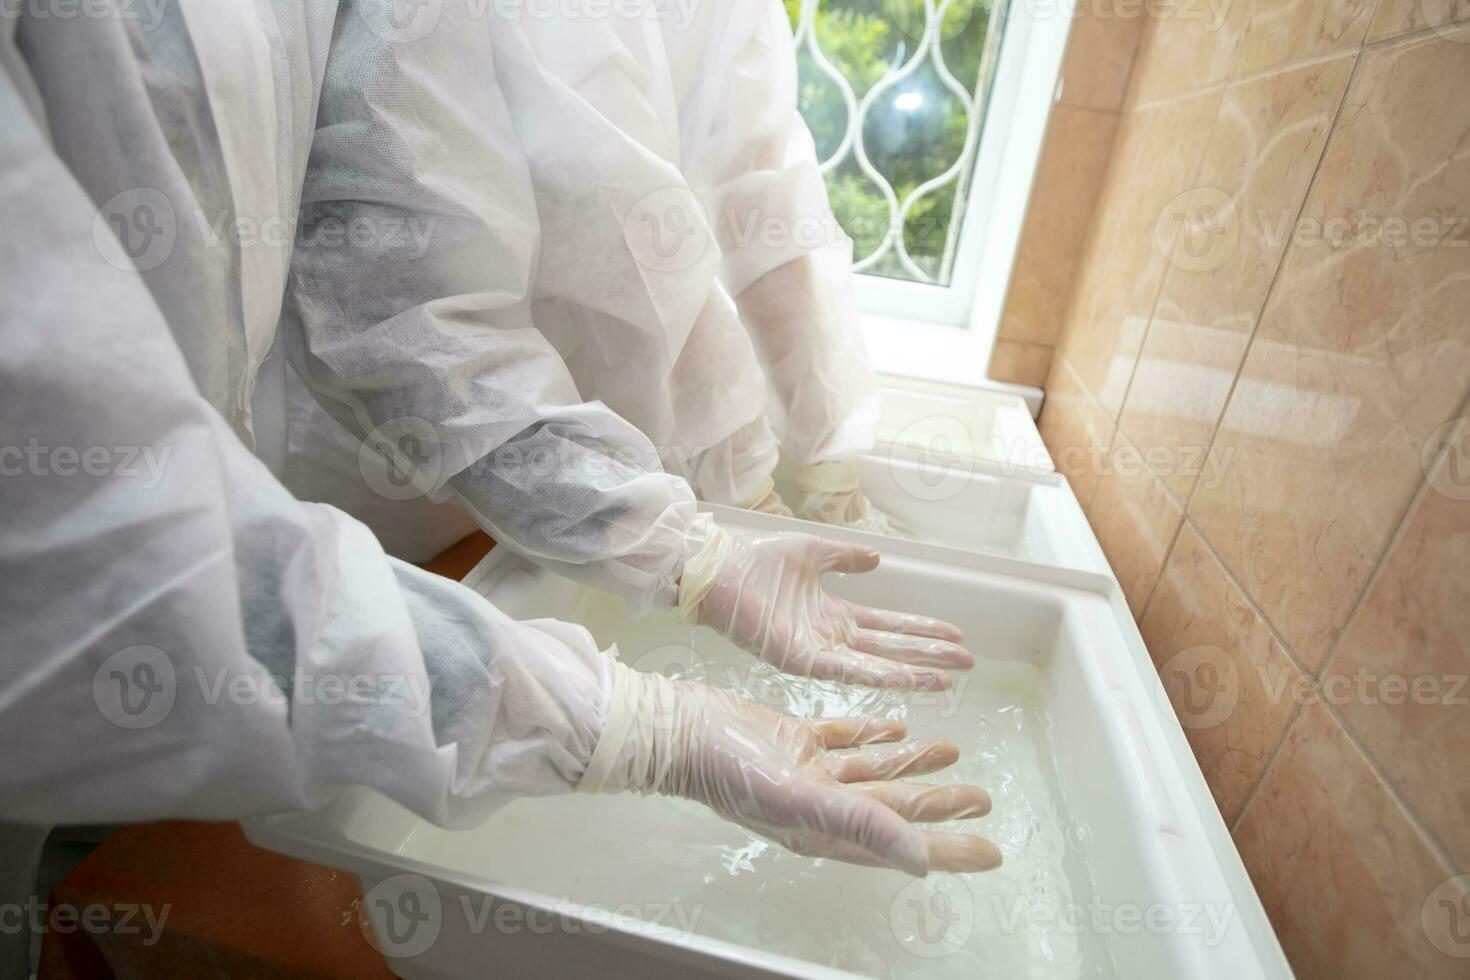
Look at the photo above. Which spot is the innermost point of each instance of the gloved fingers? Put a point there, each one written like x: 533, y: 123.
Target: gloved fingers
x: 892, y: 761
x: 845, y: 733
x: 928, y: 802
x: 924, y: 651
x: 955, y: 853
x: 836, y: 556
x: 961, y: 853
x: 908, y: 624
x: 847, y: 666
x: 865, y: 823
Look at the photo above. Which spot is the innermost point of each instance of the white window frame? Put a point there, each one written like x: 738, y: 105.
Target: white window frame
x: 947, y: 333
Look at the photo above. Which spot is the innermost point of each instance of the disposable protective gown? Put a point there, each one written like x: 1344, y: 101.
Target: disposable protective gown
x: 183, y: 637
x: 671, y: 172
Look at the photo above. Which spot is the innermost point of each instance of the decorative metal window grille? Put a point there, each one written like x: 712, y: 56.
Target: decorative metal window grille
x: 895, y: 93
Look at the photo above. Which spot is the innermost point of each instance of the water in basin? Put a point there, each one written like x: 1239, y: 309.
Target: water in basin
x: 675, y: 863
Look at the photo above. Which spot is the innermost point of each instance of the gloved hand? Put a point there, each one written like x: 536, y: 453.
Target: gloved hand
x: 819, y: 788
x: 831, y: 493
x: 763, y: 591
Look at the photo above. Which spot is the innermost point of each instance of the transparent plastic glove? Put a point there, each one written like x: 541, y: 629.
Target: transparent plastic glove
x: 763, y: 591
x: 830, y: 493
x: 819, y: 788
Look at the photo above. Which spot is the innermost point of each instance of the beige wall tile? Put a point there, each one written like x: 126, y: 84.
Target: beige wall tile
x: 1360, y: 355
x: 1135, y: 520
x: 1281, y: 32
x: 1397, y: 17
x: 1187, y: 45
x: 1073, y: 165
x: 1075, y: 430
x: 1156, y: 159
x: 1231, y: 685
x: 1343, y: 874
x: 1263, y: 152
x: 1400, y: 676
x: 1100, y: 52
x: 1021, y: 364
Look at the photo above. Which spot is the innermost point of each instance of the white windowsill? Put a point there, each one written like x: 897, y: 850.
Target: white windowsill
x: 937, y: 353
x: 947, y: 335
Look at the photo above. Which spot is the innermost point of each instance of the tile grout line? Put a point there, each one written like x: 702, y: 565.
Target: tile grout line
x: 1173, y: 539
x: 1417, y: 34
x: 1430, y: 840
x: 1260, y: 312
x: 1271, y: 758
x: 1230, y: 81
x: 1164, y: 280
x: 1094, y: 110
x: 1240, y: 370
x: 1400, y: 529
x: 1255, y: 330
x: 1250, y: 601
x: 1314, y: 692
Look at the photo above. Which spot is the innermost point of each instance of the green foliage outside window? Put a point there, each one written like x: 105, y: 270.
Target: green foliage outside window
x: 913, y: 133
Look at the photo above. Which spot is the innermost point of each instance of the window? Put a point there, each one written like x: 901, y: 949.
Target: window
x: 928, y: 117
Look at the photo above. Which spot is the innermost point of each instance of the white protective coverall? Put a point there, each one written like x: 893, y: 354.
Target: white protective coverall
x: 442, y: 353
x: 175, y: 621
x: 186, y: 639
x: 672, y: 171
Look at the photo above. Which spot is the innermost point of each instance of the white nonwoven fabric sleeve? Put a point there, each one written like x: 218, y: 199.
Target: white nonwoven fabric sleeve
x: 417, y: 333
x: 183, y: 638
x: 786, y: 260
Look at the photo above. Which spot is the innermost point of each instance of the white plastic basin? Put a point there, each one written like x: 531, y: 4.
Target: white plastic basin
x: 961, y: 503
x: 996, y: 431
x: 1138, y: 878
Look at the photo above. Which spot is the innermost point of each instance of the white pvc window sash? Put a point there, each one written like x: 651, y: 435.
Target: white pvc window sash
x: 919, y: 328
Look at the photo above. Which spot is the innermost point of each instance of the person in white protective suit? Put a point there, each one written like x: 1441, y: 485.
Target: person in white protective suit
x: 671, y: 171
x: 389, y: 340
x: 171, y: 610
x: 750, y: 159
x: 676, y: 135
